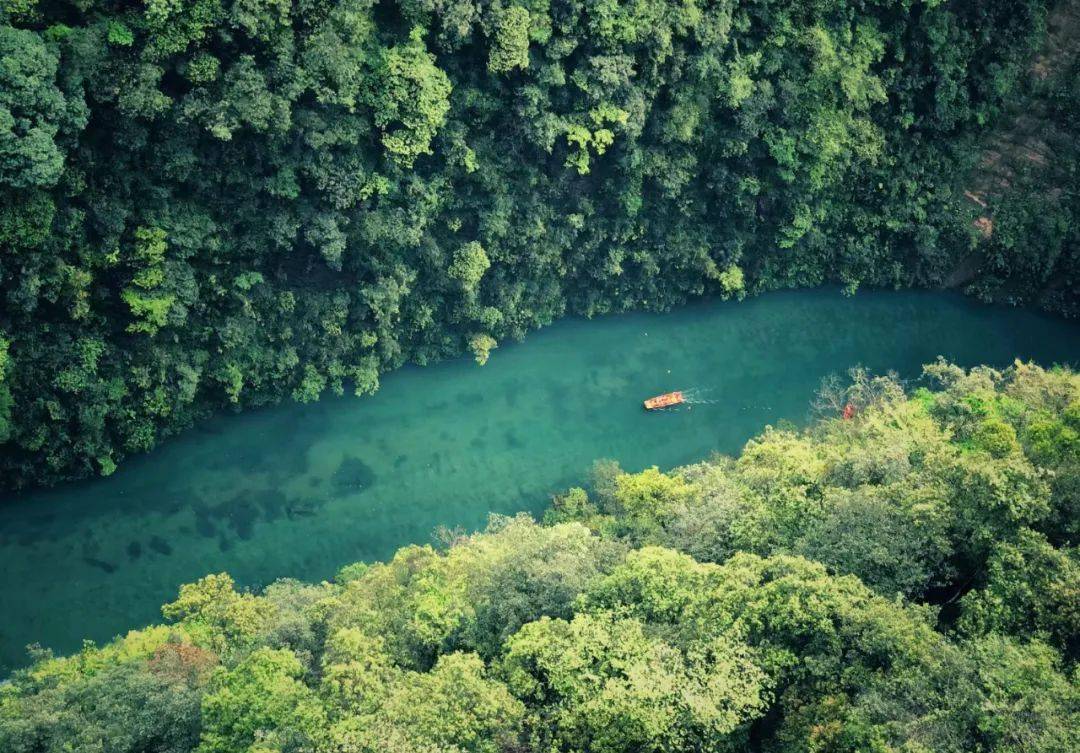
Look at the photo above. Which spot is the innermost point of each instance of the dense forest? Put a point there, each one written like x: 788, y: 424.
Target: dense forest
x: 905, y: 580
x: 229, y: 202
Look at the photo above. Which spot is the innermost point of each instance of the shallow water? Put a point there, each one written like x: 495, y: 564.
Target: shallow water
x: 300, y: 490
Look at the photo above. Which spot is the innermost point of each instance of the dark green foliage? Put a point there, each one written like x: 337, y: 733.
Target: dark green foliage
x: 1031, y: 589
x: 225, y: 202
x: 1032, y: 181
x: 109, y: 702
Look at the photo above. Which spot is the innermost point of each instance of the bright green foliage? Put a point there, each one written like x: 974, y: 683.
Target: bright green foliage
x: 606, y: 685
x: 357, y: 672
x: 150, y: 311
x: 411, y: 100
x: 481, y: 591
x: 120, y: 34
x: 593, y: 138
x: 453, y: 708
x: 481, y: 345
x: 468, y: 265
x: 732, y: 282
x: 509, y: 40
x: 845, y: 609
x: 643, y: 502
x: 260, y: 705
x: 216, y: 616
x: 656, y: 585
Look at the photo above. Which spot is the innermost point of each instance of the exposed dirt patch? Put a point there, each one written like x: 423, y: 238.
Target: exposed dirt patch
x: 1027, y: 139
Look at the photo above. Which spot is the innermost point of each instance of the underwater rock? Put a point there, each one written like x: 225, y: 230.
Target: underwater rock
x: 301, y: 508
x: 353, y: 475
x: 100, y: 564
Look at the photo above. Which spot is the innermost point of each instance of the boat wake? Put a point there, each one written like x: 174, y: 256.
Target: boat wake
x: 699, y: 396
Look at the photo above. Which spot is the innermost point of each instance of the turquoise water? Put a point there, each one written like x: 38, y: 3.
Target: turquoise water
x: 301, y: 490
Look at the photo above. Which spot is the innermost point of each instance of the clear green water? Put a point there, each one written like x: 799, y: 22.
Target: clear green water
x: 300, y: 490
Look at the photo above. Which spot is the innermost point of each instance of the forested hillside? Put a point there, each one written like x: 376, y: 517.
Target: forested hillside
x: 223, y: 202
x: 1027, y: 182
x: 905, y: 579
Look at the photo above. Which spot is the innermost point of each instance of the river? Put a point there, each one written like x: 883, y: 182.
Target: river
x: 300, y: 490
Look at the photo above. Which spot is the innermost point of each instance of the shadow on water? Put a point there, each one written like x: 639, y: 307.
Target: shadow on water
x: 300, y: 490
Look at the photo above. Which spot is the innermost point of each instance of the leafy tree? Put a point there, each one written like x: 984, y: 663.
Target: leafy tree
x: 454, y: 707
x: 33, y: 111
x: 260, y: 705
x: 481, y: 345
x: 607, y: 686
x: 509, y: 40
x: 1030, y: 590
x: 5, y: 392
x: 478, y: 593
x: 1027, y: 703
x: 216, y: 615
x: 124, y: 707
x: 411, y: 100
x: 871, y: 536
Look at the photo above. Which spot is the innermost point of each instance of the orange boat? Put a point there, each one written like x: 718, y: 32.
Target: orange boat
x: 666, y: 400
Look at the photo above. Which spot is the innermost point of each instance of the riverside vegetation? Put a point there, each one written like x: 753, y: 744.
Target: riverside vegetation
x: 215, y: 203
x: 906, y: 580
x: 228, y: 202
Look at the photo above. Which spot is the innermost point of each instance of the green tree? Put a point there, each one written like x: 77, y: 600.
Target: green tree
x: 605, y: 685
x: 410, y: 99
x: 1030, y: 590
x: 509, y: 40
x: 261, y: 705
x: 33, y: 111
x: 468, y: 266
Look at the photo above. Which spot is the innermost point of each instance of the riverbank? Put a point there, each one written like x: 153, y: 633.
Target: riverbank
x: 897, y: 577
x: 299, y: 490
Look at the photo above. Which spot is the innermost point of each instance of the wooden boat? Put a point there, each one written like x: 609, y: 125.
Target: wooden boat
x: 666, y: 400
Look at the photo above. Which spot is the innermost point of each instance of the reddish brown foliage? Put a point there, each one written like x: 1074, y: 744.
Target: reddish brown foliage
x: 182, y: 662
x: 985, y: 226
